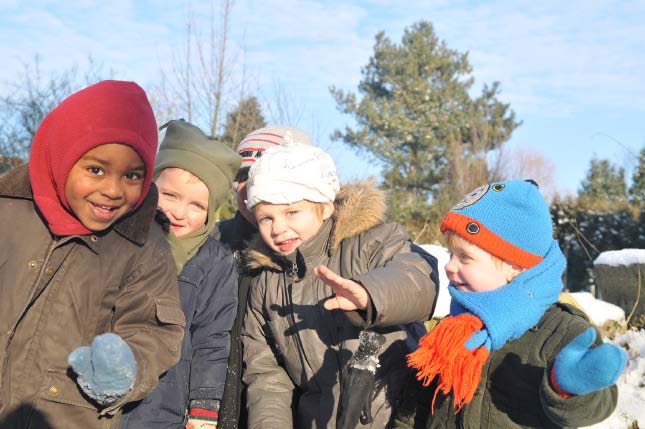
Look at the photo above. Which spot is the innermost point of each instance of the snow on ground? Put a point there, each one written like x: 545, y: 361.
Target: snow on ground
x: 631, y: 385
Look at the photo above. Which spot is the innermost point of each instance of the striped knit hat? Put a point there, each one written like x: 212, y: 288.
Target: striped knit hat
x: 508, y: 219
x: 256, y: 142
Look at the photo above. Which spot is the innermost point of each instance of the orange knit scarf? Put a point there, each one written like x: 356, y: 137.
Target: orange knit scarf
x: 442, y: 353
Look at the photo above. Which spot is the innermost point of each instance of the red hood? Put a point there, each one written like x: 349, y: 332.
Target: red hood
x: 108, y: 112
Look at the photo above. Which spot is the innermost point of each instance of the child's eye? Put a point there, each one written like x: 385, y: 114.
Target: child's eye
x: 133, y: 175
x: 95, y: 170
x: 168, y: 195
x: 264, y: 219
x: 198, y: 207
x: 292, y: 212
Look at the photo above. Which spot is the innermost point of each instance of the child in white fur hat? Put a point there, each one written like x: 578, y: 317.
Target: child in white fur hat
x: 330, y: 267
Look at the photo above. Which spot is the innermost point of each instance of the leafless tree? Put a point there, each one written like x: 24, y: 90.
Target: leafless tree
x: 196, y: 82
x: 282, y: 106
x: 31, y: 95
x: 528, y: 163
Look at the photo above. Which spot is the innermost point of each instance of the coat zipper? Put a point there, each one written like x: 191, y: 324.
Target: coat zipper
x: 292, y: 274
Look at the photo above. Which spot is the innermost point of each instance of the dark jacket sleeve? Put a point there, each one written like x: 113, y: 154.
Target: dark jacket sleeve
x: 211, y: 326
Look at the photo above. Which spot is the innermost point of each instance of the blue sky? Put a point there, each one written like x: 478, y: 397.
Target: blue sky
x: 574, y: 72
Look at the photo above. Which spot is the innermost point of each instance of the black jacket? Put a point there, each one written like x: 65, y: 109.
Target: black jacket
x: 208, y: 292
x: 235, y: 233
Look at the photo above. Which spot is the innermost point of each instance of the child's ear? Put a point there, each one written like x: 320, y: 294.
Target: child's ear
x: 328, y: 210
x: 513, y: 271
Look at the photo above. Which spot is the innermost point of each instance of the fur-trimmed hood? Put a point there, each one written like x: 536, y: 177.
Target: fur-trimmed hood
x: 359, y: 207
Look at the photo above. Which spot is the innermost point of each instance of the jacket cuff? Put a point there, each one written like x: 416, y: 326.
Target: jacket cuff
x: 206, y: 405
x: 201, y: 414
x: 560, y: 391
x: 363, y: 318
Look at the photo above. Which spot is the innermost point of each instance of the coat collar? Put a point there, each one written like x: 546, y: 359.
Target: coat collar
x: 134, y: 227
x: 360, y: 206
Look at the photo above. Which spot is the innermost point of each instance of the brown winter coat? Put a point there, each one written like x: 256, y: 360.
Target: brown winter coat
x: 57, y: 293
x: 294, y: 349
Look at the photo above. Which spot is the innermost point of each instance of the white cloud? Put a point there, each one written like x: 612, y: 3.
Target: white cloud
x: 571, y: 54
x: 556, y: 61
x: 65, y: 34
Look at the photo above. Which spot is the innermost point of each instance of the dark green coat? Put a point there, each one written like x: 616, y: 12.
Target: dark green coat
x: 514, y: 391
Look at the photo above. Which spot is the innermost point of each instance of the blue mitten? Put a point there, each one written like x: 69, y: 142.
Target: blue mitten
x: 579, y: 369
x: 107, y: 370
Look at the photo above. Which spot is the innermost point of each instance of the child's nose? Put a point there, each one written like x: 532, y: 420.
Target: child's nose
x: 179, y: 211
x: 451, y: 266
x: 113, y: 188
x: 278, y: 227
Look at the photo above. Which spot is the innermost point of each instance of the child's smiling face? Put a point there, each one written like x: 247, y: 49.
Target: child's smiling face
x: 473, y: 269
x: 184, y: 199
x: 284, y: 227
x: 104, y: 185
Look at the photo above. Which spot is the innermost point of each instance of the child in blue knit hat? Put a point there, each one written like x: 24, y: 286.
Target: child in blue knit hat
x: 509, y: 355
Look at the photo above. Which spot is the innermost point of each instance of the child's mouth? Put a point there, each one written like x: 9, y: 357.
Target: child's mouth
x: 287, y: 246
x: 175, y: 226
x: 104, y: 213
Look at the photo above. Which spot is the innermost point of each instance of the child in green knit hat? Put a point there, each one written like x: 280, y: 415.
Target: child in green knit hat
x: 194, y: 173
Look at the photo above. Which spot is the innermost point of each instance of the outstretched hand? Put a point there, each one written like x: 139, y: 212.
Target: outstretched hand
x: 349, y: 295
x: 580, y: 368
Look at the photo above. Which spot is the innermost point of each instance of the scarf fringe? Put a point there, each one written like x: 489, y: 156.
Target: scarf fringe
x: 442, y: 353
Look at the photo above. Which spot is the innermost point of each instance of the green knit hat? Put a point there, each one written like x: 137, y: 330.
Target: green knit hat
x: 187, y: 147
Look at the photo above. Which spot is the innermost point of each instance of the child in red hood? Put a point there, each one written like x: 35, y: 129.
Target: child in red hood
x: 83, y: 263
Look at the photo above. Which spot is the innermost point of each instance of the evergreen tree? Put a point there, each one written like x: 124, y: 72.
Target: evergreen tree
x: 246, y: 117
x: 604, y: 182
x: 600, y: 219
x: 637, y: 188
x: 585, y: 228
x: 415, y: 108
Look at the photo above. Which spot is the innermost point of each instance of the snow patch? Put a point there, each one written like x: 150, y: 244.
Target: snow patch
x: 616, y: 258
x: 598, y: 311
x: 442, y: 254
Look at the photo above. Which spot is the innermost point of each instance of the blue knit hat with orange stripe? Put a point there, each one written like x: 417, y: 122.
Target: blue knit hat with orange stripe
x: 256, y: 142
x: 508, y: 219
